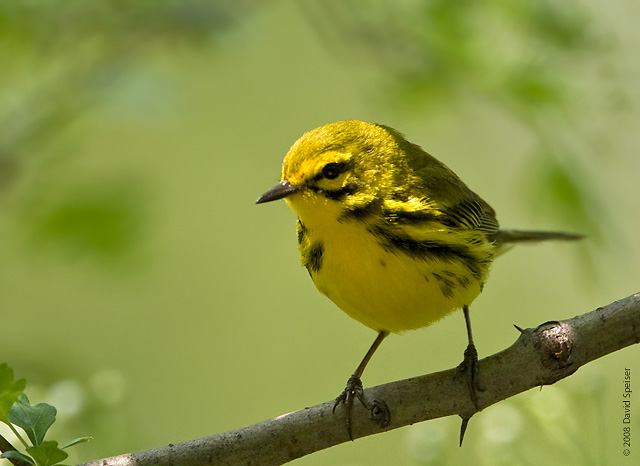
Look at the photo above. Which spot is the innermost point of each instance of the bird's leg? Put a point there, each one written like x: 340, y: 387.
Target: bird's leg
x: 354, y: 389
x: 469, y: 365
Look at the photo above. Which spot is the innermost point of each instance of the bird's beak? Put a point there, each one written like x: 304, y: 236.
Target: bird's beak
x: 279, y: 191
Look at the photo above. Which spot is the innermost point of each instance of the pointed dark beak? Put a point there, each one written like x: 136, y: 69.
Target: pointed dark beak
x: 279, y: 191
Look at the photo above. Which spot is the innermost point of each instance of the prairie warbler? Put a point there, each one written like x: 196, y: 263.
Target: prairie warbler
x: 390, y: 234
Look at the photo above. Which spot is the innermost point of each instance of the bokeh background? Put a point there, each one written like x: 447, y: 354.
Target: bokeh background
x: 145, y: 295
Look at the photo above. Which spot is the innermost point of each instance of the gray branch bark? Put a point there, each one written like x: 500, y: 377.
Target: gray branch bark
x: 540, y: 356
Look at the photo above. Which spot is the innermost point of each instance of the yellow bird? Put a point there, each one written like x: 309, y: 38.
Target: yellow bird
x: 390, y: 234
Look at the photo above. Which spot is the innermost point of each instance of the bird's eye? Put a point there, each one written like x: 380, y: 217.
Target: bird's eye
x: 331, y: 171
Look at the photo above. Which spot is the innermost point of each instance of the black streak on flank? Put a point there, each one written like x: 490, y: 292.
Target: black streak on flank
x: 463, y: 281
x: 446, y: 290
x: 449, y: 283
x: 394, y: 242
x: 446, y: 285
x: 313, y: 258
x: 302, y: 232
x: 425, y: 249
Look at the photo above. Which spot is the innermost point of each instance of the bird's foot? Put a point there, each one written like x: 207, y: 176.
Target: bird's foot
x: 378, y: 409
x: 469, y: 366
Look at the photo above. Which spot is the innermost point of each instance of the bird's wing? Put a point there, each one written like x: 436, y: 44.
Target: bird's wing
x: 458, y: 206
x: 471, y: 212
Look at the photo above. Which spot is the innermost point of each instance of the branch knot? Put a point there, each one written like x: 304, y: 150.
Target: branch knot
x: 554, y: 342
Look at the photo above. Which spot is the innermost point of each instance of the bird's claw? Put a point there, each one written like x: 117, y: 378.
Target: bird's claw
x: 470, y: 365
x: 353, y: 390
x: 378, y: 409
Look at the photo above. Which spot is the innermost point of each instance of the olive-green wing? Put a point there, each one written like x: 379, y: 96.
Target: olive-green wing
x: 471, y: 212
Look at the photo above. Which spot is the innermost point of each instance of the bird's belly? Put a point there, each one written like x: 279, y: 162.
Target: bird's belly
x: 391, y: 290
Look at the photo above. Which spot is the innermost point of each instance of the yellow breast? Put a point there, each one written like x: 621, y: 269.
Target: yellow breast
x: 380, y: 284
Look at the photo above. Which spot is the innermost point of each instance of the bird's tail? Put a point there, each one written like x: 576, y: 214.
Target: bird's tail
x: 504, y: 239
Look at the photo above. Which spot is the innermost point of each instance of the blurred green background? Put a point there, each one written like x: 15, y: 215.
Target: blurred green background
x: 145, y: 295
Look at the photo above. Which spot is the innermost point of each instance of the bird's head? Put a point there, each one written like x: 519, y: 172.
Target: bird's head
x: 340, y: 166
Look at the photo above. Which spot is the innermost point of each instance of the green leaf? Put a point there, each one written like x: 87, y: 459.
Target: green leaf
x: 47, y: 453
x: 9, y: 391
x: 16, y: 455
x: 34, y: 420
x: 76, y: 442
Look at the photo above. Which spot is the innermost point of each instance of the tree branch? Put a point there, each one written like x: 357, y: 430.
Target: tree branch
x: 540, y: 356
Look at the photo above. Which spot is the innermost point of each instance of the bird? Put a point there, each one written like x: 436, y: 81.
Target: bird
x: 391, y: 235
